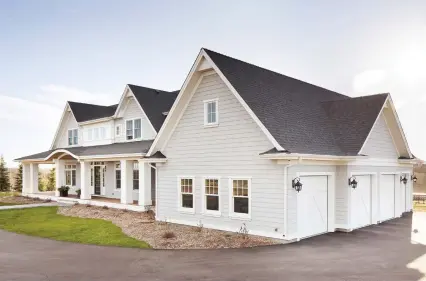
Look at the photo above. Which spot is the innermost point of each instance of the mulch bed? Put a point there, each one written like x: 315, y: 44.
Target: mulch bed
x: 20, y: 200
x: 161, y: 235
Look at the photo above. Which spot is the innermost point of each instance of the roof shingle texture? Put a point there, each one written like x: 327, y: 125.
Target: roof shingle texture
x: 302, y: 117
x: 85, y: 111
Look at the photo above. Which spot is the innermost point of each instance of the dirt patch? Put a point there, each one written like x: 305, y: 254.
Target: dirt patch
x: 162, y: 235
x: 19, y: 200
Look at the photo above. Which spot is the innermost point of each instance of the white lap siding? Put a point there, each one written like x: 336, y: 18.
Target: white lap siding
x: 228, y: 150
x: 68, y: 124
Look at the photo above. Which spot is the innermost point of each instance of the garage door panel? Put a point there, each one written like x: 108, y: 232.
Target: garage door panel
x: 312, y: 206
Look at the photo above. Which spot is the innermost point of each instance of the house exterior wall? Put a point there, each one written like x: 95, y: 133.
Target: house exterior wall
x: 68, y: 123
x: 380, y: 143
x: 108, y: 138
x: 132, y: 110
x: 229, y: 150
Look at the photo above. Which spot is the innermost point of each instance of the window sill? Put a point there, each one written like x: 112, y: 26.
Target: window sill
x: 187, y: 210
x: 213, y: 125
x: 215, y: 214
x: 242, y: 217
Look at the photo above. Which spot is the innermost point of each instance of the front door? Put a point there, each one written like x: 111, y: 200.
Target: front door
x: 97, y: 177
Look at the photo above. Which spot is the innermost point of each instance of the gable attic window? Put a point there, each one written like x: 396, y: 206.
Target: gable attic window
x: 211, y: 113
x: 73, y: 137
x: 133, y: 129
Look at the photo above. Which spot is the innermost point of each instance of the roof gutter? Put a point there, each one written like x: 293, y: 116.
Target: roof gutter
x: 298, y: 156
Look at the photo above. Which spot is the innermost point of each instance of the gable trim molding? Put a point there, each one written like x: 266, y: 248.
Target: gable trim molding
x: 120, y: 104
x: 67, y: 106
x: 202, y: 54
x: 388, y: 100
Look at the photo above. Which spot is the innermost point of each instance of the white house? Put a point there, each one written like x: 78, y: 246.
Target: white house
x: 242, y: 147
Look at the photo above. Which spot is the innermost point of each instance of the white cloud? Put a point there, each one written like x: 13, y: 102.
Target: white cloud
x: 28, y: 126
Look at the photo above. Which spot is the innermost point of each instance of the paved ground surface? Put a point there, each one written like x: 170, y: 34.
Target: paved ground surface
x: 374, y: 253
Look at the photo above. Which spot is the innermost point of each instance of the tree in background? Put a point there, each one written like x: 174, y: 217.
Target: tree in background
x: 51, y: 183
x: 42, y: 182
x: 4, y: 176
x: 18, y: 179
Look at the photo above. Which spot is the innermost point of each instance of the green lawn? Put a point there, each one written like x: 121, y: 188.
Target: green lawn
x: 45, y: 222
x: 8, y: 204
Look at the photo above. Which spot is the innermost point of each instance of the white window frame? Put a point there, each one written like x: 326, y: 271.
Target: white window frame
x: 73, y: 130
x: 117, y: 167
x: 204, y: 194
x: 232, y: 214
x: 70, y: 168
x: 90, y: 134
x: 96, y: 134
x: 206, y: 103
x: 180, y: 208
x: 119, y: 127
x: 102, y: 132
x: 133, y: 129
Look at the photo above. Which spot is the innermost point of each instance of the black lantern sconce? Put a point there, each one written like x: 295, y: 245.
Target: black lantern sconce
x: 352, y: 182
x: 296, y: 184
x: 414, y: 178
x: 403, y: 179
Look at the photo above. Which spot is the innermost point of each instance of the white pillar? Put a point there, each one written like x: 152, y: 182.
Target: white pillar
x: 26, y: 181
x: 85, y: 180
x: 59, y: 174
x: 144, y: 184
x: 126, y: 167
x: 33, y: 178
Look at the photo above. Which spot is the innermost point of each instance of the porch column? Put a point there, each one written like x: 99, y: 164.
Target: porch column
x: 126, y: 167
x: 59, y: 175
x: 26, y: 181
x: 144, y: 184
x: 33, y: 178
x: 85, y: 180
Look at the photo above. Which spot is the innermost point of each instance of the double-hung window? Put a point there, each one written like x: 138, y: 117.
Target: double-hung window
x: 186, y: 194
x: 211, y: 113
x: 70, y: 175
x: 117, y: 176
x: 211, y: 196
x: 73, y: 137
x: 240, y: 204
x: 133, y: 129
x: 135, y: 175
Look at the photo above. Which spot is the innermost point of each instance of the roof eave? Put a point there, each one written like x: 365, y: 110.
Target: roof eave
x: 299, y: 156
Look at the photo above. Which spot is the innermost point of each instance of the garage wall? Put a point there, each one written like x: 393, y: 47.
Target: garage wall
x: 292, y: 194
x: 342, y: 196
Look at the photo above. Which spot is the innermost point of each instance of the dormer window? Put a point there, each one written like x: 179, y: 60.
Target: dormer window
x: 133, y: 129
x: 211, y: 113
x: 73, y: 137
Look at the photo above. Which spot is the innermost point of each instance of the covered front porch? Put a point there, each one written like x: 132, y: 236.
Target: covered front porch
x: 117, y: 181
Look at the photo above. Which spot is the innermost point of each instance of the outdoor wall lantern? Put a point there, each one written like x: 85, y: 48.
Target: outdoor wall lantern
x: 414, y: 178
x: 352, y: 182
x: 404, y: 179
x: 296, y: 184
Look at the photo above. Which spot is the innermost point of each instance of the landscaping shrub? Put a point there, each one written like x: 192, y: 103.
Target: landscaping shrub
x: 169, y: 235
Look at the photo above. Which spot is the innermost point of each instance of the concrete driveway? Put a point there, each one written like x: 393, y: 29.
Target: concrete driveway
x: 374, y: 253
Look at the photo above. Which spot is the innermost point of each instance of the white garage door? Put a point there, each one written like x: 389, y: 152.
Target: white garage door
x: 361, y: 202
x: 312, y: 206
x: 387, y: 197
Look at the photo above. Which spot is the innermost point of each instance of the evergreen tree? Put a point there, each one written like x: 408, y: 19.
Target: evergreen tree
x: 4, y: 176
x: 51, y: 183
x: 18, y: 179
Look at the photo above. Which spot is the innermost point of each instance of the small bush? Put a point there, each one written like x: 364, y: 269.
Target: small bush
x: 88, y: 206
x: 169, y: 235
x: 151, y: 215
x: 125, y: 210
x: 105, y: 207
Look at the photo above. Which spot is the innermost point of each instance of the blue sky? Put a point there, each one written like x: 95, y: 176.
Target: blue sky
x: 53, y: 51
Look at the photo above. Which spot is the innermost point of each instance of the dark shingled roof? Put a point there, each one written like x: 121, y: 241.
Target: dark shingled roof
x: 154, y: 103
x: 300, y: 116
x: 85, y: 111
x: 108, y: 149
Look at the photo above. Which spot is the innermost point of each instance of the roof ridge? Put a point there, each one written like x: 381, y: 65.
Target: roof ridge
x: 85, y: 103
x: 272, y: 71
x: 134, y: 85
